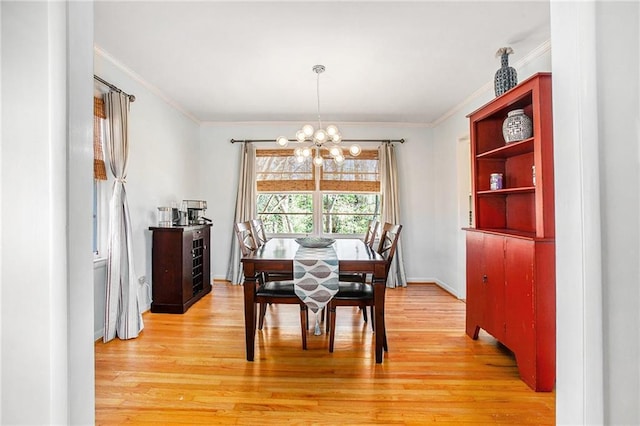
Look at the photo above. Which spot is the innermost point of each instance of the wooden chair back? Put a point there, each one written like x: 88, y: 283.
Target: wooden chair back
x: 245, y: 237
x: 389, y: 241
x: 372, y: 232
x: 259, y: 233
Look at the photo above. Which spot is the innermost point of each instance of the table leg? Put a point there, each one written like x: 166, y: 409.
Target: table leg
x: 379, y: 287
x: 250, y: 310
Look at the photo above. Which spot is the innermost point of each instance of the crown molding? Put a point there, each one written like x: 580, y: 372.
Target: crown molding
x: 150, y: 87
x: 534, y: 54
x: 298, y: 123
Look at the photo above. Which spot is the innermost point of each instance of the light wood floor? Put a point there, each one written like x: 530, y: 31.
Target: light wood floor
x: 191, y: 369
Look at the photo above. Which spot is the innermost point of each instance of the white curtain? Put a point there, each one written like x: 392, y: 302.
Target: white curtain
x: 245, y: 207
x: 122, y: 311
x: 390, y: 209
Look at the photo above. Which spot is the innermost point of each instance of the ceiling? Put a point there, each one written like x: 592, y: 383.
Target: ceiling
x: 386, y: 62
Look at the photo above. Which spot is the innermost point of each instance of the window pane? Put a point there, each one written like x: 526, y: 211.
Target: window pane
x: 348, y: 213
x: 286, y: 213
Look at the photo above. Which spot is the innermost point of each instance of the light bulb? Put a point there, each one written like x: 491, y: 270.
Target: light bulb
x: 317, y: 160
x: 335, y: 151
x: 339, y: 159
x: 299, y: 158
x: 297, y: 152
x: 337, y: 138
x: 332, y: 130
x: 300, y: 136
x: 308, y: 130
x: 306, y: 151
x: 320, y: 135
x: 282, y: 141
x: 355, y: 150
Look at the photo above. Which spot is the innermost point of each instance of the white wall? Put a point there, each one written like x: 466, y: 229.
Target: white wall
x: 46, y: 337
x: 163, y: 167
x: 619, y: 119
x: 597, y: 132
x: 220, y: 167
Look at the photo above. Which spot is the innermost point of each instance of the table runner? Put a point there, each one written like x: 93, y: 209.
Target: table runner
x: 315, y: 277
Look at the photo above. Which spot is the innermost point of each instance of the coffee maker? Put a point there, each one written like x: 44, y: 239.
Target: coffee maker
x: 195, y: 211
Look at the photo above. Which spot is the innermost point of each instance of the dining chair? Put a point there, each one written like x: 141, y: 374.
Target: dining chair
x: 245, y: 236
x: 360, y: 294
x: 281, y: 292
x: 369, y: 240
x: 260, y: 238
x: 273, y: 285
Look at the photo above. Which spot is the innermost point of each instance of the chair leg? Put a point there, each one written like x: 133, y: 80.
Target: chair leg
x: 263, y: 311
x: 384, y: 343
x: 332, y: 331
x: 364, y: 314
x: 373, y: 325
x: 304, y: 312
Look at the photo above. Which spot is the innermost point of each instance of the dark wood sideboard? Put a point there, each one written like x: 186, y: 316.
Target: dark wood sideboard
x: 180, y: 267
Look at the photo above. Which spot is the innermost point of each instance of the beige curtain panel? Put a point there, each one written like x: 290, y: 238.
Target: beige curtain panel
x: 245, y: 208
x: 123, y: 317
x: 391, y: 209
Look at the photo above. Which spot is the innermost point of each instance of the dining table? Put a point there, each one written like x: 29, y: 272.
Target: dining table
x: 277, y: 256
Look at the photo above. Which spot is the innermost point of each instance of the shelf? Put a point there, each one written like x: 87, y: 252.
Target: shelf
x: 507, y: 191
x: 511, y: 149
x: 505, y: 232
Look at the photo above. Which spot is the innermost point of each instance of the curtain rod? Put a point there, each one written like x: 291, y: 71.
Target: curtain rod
x: 343, y: 140
x: 132, y: 98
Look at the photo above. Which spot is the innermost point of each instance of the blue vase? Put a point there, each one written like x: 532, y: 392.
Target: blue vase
x: 506, y: 76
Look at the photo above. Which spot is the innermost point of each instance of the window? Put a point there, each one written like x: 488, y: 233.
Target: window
x: 298, y: 198
x: 100, y: 203
x: 348, y: 213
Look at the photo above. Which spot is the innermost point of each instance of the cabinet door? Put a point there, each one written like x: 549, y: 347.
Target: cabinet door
x: 494, y: 284
x: 167, y: 269
x: 187, y: 266
x: 519, y: 302
x: 485, y: 284
x: 475, y: 286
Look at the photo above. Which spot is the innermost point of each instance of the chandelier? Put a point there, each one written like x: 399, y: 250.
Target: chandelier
x: 311, y: 141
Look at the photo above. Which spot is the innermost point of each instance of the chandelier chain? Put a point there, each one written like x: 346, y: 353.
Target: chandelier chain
x: 318, y: 93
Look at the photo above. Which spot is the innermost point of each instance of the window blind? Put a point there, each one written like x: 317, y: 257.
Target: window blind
x: 277, y: 170
x: 99, y: 169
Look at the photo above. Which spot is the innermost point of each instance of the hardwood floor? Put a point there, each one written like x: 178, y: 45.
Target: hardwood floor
x: 191, y: 369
